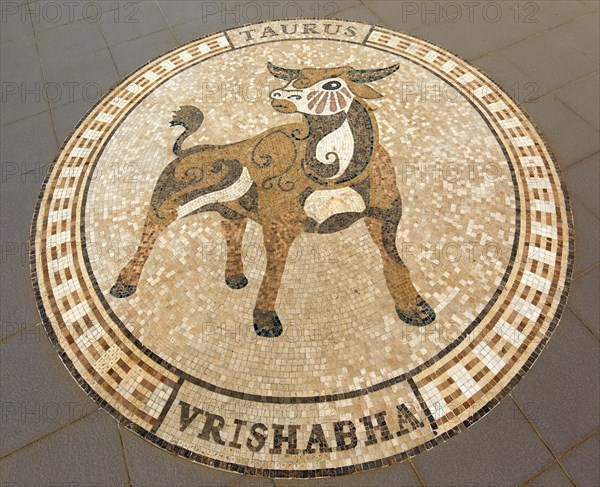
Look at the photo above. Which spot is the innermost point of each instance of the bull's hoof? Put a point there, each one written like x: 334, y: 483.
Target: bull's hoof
x: 121, y: 290
x: 267, y: 324
x: 421, y: 316
x: 237, y: 281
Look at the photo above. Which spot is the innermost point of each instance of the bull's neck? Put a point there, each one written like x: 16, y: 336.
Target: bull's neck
x: 363, y: 130
x: 320, y: 126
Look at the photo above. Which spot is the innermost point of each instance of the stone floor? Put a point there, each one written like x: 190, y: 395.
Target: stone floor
x: 59, y: 58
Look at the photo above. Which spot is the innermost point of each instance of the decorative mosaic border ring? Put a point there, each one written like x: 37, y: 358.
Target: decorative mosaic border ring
x: 425, y: 407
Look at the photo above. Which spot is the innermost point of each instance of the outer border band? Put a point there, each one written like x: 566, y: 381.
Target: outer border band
x: 384, y: 42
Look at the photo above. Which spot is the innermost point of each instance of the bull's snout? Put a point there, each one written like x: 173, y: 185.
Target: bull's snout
x: 285, y: 95
x: 283, y: 101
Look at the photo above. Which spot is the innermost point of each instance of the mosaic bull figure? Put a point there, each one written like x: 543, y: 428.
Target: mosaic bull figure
x: 280, y: 178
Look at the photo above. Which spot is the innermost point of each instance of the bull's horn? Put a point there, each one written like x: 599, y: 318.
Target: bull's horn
x: 368, y: 75
x: 283, y: 73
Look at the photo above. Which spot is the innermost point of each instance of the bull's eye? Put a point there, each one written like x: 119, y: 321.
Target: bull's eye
x: 332, y: 85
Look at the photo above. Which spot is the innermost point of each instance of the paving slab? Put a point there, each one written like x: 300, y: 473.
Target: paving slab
x: 16, y: 147
x: 87, y: 452
x: 502, y: 449
x: 150, y: 466
x: 582, y: 463
x: 583, y: 181
x: 130, y: 55
x: 181, y: 11
x: 583, y: 98
x: 254, y: 481
x: 582, y: 34
x: 47, y: 15
x: 196, y: 28
x: 87, y: 76
x: 571, y: 138
x: 565, y: 65
x: 521, y: 86
x: 71, y: 39
x: 398, y: 15
x: 553, y: 476
x: 359, y: 13
x: 23, y: 165
x: 38, y: 394
x: 587, y: 231
x: 583, y: 299
x: 15, y: 22
x: 22, y: 80
x: 127, y: 21
x: 228, y: 13
x: 213, y: 18
x: 67, y: 116
x: 398, y: 475
x: 555, y: 12
x: 19, y: 308
x: 560, y: 393
x: 456, y: 25
x: 592, y: 4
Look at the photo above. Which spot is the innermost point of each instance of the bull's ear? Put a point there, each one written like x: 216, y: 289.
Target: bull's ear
x: 282, y: 73
x: 364, y: 91
x: 368, y: 75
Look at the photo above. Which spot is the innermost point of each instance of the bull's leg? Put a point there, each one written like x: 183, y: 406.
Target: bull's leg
x: 127, y: 281
x: 386, y: 210
x: 279, y: 235
x: 410, y: 306
x: 233, y: 230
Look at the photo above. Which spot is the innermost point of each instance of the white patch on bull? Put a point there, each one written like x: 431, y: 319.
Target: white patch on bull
x: 322, y: 204
x: 300, y: 97
x: 238, y: 189
x: 339, y: 142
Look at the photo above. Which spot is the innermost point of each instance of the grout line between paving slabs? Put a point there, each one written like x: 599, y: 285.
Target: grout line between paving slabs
x: 168, y: 23
x: 540, y: 473
x: 556, y: 457
x: 43, y: 437
x: 37, y: 48
x: 584, y: 323
x: 124, y: 456
x: 112, y: 58
x: 417, y: 472
x: 531, y: 36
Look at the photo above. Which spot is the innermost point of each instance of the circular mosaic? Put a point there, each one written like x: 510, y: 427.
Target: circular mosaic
x: 302, y: 248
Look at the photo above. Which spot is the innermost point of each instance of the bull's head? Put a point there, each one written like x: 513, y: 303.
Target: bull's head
x: 324, y: 91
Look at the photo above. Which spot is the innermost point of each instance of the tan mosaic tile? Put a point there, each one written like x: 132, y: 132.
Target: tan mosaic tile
x: 346, y: 246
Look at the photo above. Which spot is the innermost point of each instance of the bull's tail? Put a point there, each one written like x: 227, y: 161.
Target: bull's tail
x: 191, y: 119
